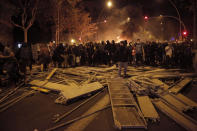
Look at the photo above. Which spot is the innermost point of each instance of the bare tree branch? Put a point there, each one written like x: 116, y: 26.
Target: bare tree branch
x: 33, y: 13
x: 17, y: 25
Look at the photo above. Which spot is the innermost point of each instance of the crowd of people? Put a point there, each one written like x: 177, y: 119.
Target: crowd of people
x: 94, y: 54
x: 139, y: 53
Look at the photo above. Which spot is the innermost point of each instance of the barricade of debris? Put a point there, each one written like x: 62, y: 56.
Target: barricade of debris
x: 133, y: 99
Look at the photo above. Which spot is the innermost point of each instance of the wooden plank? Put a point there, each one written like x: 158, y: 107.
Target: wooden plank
x: 147, y: 108
x: 38, y: 83
x: 180, y: 118
x: 175, y: 89
x: 186, y: 100
x: 158, y: 82
x: 51, y: 74
x: 71, y: 92
x: 40, y: 89
x: 171, y: 99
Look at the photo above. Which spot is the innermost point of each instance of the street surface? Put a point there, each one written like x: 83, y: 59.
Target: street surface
x: 37, y: 112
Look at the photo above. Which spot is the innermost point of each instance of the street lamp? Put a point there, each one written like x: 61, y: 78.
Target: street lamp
x: 178, y: 16
x: 72, y: 41
x: 184, y: 33
x: 109, y: 4
x: 128, y: 19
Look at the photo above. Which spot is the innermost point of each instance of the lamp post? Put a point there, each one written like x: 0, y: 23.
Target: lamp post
x: 180, y: 21
x: 173, y: 17
x: 179, y: 16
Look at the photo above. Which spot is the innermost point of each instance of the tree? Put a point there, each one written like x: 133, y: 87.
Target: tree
x: 77, y: 23
x: 25, y: 15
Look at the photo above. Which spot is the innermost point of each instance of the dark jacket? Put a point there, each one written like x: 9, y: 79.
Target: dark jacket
x: 123, y: 54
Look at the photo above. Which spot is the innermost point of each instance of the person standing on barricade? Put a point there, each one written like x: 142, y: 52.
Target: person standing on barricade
x: 138, y: 52
x: 25, y: 58
x: 123, y: 55
x: 44, y: 58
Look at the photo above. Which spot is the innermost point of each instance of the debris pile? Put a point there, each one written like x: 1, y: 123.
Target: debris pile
x: 134, y: 100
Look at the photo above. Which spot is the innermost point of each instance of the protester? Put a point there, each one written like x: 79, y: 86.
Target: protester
x: 10, y: 66
x: 44, y: 58
x: 123, y: 54
x: 25, y: 58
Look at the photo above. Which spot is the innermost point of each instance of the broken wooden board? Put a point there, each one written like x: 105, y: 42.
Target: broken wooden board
x: 73, y: 92
x: 48, y: 85
x: 173, y: 75
x: 186, y: 100
x: 175, y: 89
x: 51, y: 74
x: 38, y: 83
x: 158, y: 82
x: 174, y: 101
x: 137, y: 88
x: 126, y: 112
x: 179, y: 117
x: 70, y: 91
x: 147, y: 108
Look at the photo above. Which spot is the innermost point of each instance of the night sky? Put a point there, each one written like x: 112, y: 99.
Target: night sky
x: 150, y: 8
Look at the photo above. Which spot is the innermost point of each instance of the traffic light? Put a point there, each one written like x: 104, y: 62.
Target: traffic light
x: 184, y: 33
x: 146, y: 18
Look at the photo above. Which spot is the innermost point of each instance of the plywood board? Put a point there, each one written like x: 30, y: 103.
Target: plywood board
x: 72, y: 92
x: 69, y: 91
x: 171, y: 99
x: 158, y: 82
x: 175, y: 89
x: 179, y: 117
x: 186, y: 100
x: 147, y: 107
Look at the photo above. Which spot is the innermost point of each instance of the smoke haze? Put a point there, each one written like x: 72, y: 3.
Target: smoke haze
x: 128, y: 24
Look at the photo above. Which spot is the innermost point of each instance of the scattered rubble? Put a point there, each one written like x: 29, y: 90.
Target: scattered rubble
x: 133, y: 99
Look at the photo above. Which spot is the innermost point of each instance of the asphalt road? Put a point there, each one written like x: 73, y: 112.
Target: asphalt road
x: 37, y: 112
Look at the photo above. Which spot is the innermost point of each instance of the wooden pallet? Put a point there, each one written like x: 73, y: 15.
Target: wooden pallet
x: 179, y: 117
x: 126, y: 113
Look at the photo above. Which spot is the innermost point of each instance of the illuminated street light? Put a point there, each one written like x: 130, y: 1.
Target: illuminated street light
x: 72, y: 41
x: 109, y: 4
x: 128, y: 19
